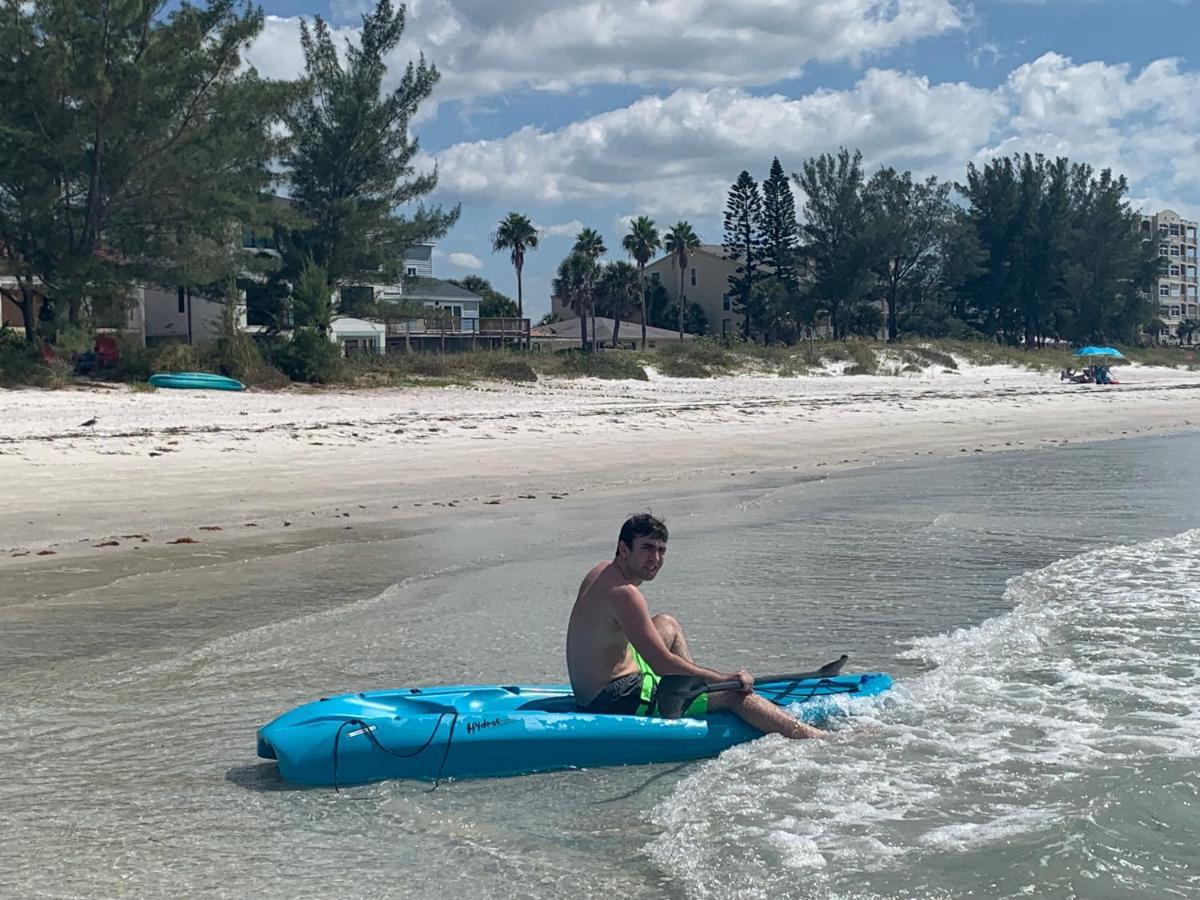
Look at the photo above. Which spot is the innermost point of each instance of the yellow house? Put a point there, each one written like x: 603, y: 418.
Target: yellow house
x: 706, y: 282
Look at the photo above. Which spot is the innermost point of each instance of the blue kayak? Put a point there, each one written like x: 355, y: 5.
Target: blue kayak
x: 196, y: 381
x: 472, y: 731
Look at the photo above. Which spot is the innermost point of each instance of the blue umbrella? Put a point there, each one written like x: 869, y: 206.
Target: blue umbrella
x: 1100, y: 351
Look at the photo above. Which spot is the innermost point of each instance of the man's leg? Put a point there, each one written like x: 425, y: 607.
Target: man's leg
x: 671, y: 632
x: 756, y: 710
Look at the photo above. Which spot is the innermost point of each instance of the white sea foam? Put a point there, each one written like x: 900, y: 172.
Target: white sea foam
x: 1020, y: 740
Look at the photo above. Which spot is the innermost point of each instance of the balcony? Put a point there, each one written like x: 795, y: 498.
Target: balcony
x: 448, y: 333
x: 460, y: 327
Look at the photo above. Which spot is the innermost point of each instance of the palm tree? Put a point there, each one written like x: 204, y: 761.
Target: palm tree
x: 590, y: 246
x: 642, y: 243
x: 619, y: 285
x: 680, y: 241
x: 571, y: 285
x: 516, y: 234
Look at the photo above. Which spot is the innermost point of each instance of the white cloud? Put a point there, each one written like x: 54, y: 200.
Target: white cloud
x: 678, y: 154
x: 484, y: 47
x: 563, y: 229
x: 465, y: 261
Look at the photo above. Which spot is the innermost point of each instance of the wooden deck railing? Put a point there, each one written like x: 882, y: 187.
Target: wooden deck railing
x: 453, y: 327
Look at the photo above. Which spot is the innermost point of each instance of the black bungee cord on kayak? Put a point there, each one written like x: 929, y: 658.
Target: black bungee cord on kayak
x: 369, y: 731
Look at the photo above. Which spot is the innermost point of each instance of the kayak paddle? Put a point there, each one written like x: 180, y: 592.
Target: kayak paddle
x: 675, y: 692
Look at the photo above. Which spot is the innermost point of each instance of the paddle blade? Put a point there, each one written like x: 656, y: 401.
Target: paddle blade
x: 675, y: 692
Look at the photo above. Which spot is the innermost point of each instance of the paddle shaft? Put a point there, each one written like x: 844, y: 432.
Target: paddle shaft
x: 765, y: 679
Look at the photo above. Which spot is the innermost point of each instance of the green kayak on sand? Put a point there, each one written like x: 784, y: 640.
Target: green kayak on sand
x: 196, y: 381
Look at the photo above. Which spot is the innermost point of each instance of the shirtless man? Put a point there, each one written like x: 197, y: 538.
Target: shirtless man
x: 616, y: 652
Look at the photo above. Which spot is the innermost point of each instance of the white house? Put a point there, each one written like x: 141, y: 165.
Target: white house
x: 358, y: 335
x: 185, y: 314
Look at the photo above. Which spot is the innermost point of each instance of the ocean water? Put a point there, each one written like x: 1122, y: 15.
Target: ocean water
x: 1040, y: 611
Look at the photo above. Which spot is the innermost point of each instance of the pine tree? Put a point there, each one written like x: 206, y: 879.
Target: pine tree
x: 133, y: 143
x: 743, y: 212
x: 350, y: 164
x: 779, y: 232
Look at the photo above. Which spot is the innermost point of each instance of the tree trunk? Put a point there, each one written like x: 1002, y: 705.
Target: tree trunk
x: 642, y: 291
x: 679, y: 302
x: 616, y: 329
x: 25, y: 304
x: 520, y: 304
x: 892, y: 331
x: 583, y: 327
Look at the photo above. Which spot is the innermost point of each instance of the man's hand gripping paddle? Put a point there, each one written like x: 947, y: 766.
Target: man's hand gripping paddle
x: 675, y: 692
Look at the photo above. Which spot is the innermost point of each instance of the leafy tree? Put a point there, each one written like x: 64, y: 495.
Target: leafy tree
x: 1184, y: 331
x: 641, y: 243
x: 1062, y: 254
x: 695, y: 320
x: 574, y: 283
x: 619, y: 290
x: 493, y: 304
x: 743, y: 214
x: 679, y: 242
x: 835, y: 241
x: 516, y: 234
x: 778, y: 231
x: 589, y: 245
x: 133, y: 142
x: 313, y: 298
x: 659, y: 309
x: 907, y: 222
x: 350, y: 161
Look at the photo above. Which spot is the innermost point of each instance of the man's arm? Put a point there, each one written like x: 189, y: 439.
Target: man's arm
x: 629, y: 609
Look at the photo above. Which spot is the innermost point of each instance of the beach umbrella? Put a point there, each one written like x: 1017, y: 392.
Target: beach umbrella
x: 1100, y: 351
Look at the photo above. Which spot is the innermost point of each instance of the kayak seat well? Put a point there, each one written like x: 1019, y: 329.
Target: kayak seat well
x: 551, y: 705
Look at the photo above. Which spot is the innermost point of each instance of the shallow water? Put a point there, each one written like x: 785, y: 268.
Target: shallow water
x: 1041, y: 742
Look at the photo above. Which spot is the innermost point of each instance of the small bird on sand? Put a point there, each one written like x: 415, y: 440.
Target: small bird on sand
x: 90, y: 423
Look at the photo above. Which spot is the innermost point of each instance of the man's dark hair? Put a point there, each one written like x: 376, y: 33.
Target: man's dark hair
x: 642, y: 525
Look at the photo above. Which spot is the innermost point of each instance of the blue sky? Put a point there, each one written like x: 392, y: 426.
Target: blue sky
x: 592, y: 111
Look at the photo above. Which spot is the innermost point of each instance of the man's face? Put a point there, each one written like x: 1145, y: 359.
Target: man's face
x: 645, y: 558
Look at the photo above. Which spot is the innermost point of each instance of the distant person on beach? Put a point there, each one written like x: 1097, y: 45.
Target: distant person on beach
x: 617, y: 651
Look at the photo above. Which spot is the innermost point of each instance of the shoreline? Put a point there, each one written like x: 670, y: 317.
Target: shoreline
x: 180, y: 472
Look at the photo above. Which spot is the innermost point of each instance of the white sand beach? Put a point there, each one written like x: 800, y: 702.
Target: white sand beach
x: 181, y: 466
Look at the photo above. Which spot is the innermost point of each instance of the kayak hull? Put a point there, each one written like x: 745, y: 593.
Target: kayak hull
x: 473, y: 731
x: 196, y: 381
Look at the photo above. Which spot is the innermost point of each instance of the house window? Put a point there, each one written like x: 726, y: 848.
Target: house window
x: 1191, y: 235
x: 1174, y: 290
x: 1162, y: 227
x: 1174, y: 229
x: 1163, y: 250
x: 1164, y: 290
x: 181, y: 300
x: 1191, y: 273
x: 1173, y: 271
x: 1174, y: 249
x: 412, y: 271
x: 726, y: 303
x: 1173, y: 312
x: 1191, y: 290
x: 693, y: 277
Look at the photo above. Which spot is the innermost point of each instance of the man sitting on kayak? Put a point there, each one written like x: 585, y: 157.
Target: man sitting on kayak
x: 616, y: 651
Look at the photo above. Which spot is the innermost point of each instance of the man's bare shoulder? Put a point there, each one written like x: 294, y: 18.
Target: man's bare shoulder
x: 605, y: 583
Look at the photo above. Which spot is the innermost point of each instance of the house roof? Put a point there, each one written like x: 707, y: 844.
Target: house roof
x: 435, y: 289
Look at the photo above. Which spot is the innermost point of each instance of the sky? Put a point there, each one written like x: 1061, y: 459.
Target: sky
x: 591, y: 112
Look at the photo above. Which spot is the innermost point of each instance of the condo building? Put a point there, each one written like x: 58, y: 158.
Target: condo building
x: 1176, y: 287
